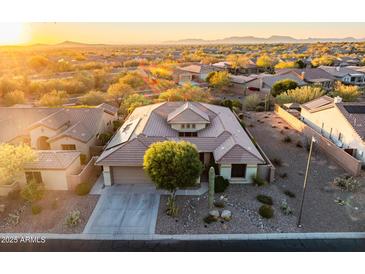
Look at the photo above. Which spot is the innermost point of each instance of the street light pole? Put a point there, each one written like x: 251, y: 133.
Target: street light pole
x: 305, y: 182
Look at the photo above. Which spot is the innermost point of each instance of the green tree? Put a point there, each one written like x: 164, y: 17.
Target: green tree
x: 12, y: 161
x: 14, y: 97
x: 347, y: 93
x: 282, y: 86
x: 266, y: 62
x: 172, y: 165
x: 299, y: 95
x: 54, y: 98
x: 93, y: 98
x: 186, y: 92
x: 119, y: 91
x: 132, y: 102
x: 218, y: 79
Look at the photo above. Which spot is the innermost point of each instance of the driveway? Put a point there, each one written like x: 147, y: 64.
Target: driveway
x: 125, y: 209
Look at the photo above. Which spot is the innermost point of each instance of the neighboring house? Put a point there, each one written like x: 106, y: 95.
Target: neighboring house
x: 216, y: 132
x: 313, y: 76
x: 346, y: 61
x: 52, y: 168
x: 195, y: 73
x: 346, y: 75
x: 238, y: 84
x: 247, y: 69
x: 264, y: 82
x: 56, y: 128
x: 343, y: 123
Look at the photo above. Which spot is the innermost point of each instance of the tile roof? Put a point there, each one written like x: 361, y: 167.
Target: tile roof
x: 153, y: 126
x: 188, y: 113
x: 53, y: 159
x: 354, y: 113
x: 309, y: 74
x: 270, y: 80
x: 79, y: 123
x: 340, y: 71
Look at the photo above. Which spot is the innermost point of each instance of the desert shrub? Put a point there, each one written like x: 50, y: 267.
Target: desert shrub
x: 264, y: 199
x: 83, y: 189
x: 282, y: 86
x: 289, y: 193
x: 33, y: 191
x: 117, y: 124
x: 220, y: 184
x: 171, y: 207
x: 347, y: 93
x: 209, y: 219
x: 347, y: 183
x: 299, y: 144
x: 53, y: 98
x: 251, y: 102
x: 277, y: 162
x: 287, y: 139
x: 257, y: 180
x: 299, y: 95
x: 266, y: 211
x: 36, y: 209
x: 73, y: 218
x: 285, y: 208
x: 14, y: 97
x: 219, y: 204
x: 93, y: 98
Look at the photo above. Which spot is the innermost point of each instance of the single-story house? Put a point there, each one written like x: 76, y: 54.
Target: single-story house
x: 314, y: 76
x: 192, y: 73
x: 249, y: 68
x: 341, y: 122
x: 346, y: 75
x: 264, y: 82
x: 238, y: 84
x: 52, y: 168
x: 216, y: 132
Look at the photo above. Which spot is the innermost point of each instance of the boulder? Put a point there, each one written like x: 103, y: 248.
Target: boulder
x: 214, y: 213
x: 226, y: 215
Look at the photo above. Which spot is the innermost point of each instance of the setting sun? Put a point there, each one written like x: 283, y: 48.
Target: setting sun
x: 11, y: 33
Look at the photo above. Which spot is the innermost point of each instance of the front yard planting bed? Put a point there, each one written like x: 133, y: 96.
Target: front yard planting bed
x: 55, y: 206
x: 327, y: 208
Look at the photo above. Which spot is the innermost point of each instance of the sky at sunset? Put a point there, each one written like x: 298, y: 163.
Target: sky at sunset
x: 129, y: 33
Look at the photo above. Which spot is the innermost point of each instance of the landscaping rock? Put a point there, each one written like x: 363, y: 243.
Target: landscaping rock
x: 214, y: 213
x: 226, y: 215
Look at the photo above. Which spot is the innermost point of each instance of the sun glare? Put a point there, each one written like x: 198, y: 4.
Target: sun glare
x: 11, y: 33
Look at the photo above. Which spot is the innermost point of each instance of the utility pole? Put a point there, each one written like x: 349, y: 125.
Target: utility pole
x: 305, y: 182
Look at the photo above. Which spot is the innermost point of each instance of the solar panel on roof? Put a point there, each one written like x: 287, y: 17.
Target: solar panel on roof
x: 123, y: 134
x: 355, y: 109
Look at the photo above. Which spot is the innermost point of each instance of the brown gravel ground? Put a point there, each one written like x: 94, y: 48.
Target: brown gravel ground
x: 52, y: 217
x: 321, y: 212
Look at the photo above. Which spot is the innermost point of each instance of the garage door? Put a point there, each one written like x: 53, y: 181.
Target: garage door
x: 129, y: 175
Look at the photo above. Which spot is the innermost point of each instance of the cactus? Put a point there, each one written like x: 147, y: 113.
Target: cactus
x: 211, y: 187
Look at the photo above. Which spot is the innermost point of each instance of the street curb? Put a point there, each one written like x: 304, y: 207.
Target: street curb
x: 193, y: 237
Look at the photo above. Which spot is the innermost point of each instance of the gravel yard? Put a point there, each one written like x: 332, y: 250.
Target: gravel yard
x: 56, y: 205
x: 321, y: 211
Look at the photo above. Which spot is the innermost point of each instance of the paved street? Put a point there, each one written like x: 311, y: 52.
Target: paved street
x: 125, y: 209
x: 199, y: 246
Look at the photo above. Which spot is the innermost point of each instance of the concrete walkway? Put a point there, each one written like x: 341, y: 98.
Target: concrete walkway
x: 125, y: 210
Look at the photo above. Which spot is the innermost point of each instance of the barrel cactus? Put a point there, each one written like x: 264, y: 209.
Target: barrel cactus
x: 211, y: 187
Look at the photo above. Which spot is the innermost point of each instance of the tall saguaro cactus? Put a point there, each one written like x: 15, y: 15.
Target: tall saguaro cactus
x: 211, y: 187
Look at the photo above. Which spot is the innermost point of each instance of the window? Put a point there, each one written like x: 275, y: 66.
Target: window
x: 192, y: 125
x: 33, y: 176
x: 182, y: 125
x: 238, y: 171
x: 68, y: 147
x: 187, y: 125
x: 188, y: 134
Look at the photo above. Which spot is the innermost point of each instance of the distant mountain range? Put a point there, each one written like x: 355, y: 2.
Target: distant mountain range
x: 275, y: 39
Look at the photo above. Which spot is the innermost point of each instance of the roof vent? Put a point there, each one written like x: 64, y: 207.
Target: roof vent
x: 337, y: 99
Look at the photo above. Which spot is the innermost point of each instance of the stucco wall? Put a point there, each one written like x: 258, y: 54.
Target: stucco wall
x: 38, y: 132
x: 197, y: 127
x: 80, y: 146
x: 335, y: 123
x: 251, y: 171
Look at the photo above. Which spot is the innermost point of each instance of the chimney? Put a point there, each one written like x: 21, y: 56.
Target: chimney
x: 302, y: 75
x: 337, y: 99
x: 338, y: 68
